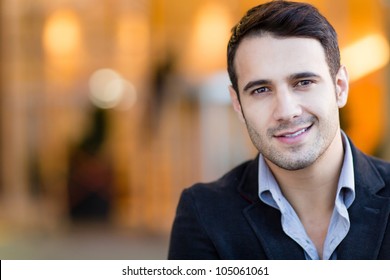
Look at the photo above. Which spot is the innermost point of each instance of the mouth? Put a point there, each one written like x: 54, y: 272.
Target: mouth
x: 293, y: 134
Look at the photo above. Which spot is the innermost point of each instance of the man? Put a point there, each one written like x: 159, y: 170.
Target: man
x: 310, y: 194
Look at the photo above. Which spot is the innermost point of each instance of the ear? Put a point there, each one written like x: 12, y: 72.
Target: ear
x: 236, y: 103
x: 342, y: 86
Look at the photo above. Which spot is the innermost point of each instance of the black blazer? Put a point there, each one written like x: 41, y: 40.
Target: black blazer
x: 226, y: 219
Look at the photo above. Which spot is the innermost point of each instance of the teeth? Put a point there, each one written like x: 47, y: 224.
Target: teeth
x: 296, y: 133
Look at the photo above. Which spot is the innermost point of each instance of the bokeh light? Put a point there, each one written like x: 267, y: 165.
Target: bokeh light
x: 366, y: 55
x: 108, y: 90
x: 62, y: 33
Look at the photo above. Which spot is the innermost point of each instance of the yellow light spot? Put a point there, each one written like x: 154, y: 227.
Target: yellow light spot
x: 61, y: 34
x: 208, y: 43
x: 365, y: 56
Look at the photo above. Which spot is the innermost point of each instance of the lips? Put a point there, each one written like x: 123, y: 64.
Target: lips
x: 293, y: 133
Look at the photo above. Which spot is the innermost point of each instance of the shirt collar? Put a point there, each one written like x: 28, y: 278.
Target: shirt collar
x: 347, y: 177
x: 269, y: 191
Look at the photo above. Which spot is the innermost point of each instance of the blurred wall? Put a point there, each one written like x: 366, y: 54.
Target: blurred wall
x: 110, y: 108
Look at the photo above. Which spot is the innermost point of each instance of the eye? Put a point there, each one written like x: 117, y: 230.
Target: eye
x: 260, y: 90
x: 304, y: 83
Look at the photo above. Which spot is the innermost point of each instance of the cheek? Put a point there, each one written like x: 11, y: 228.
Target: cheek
x: 257, y: 115
x: 325, y: 111
x: 320, y: 104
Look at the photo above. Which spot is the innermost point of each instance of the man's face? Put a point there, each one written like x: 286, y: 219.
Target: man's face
x: 288, y: 99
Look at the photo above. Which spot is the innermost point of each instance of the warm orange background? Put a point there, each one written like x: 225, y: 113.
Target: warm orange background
x: 172, y: 126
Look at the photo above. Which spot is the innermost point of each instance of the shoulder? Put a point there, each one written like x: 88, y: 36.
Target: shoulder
x: 373, y: 172
x: 382, y: 166
x: 226, y: 193
x: 209, y: 218
x: 216, y: 204
x: 225, y: 185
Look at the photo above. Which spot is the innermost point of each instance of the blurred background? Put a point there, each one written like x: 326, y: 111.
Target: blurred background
x: 109, y: 108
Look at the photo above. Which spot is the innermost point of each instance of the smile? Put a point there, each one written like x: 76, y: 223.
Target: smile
x: 295, y: 134
x: 290, y: 137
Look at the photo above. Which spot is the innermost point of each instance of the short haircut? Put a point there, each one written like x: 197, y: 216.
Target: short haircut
x: 284, y: 19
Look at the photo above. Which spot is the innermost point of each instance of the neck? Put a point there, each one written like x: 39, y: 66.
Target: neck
x: 314, y: 185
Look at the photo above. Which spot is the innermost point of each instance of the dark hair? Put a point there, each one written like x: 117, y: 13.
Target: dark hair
x: 284, y: 19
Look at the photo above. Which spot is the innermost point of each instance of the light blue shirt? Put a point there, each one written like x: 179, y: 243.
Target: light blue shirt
x: 270, y: 193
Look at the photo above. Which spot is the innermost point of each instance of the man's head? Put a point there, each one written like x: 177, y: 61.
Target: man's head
x: 288, y: 84
x: 284, y: 19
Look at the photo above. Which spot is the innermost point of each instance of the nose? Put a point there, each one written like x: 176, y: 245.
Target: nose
x: 286, y: 105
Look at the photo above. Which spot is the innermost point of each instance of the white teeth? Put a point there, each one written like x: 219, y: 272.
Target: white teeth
x: 296, y: 133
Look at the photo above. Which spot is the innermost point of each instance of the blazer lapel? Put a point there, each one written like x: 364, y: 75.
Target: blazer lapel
x: 265, y: 220
x: 369, y: 214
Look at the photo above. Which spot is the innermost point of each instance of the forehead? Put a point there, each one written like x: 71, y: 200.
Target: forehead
x: 271, y: 57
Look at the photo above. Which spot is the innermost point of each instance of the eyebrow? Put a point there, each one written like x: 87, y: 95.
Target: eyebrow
x: 304, y: 75
x: 296, y: 76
